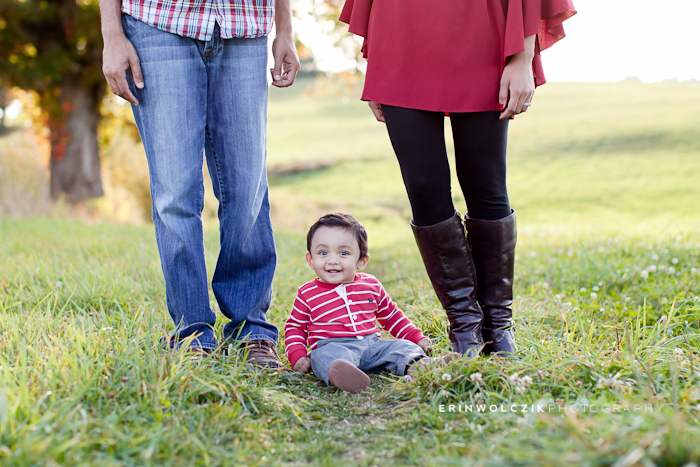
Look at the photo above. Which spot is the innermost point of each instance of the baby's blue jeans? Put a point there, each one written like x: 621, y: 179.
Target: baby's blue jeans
x: 370, y: 354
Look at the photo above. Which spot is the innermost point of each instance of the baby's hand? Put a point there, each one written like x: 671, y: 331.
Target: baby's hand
x: 426, y: 345
x: 303, y: 365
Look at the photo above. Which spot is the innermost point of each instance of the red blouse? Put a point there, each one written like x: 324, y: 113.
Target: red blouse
x: 448, y: 55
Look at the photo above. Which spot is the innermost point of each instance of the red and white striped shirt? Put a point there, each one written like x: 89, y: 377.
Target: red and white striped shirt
x: 196, y: 18
x: 321, y: 311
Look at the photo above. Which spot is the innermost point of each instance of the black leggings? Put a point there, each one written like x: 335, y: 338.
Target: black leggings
x: 480, y: 142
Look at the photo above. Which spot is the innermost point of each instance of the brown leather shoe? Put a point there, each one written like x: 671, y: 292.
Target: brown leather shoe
x: 261, y: 353
x: 346, y: 376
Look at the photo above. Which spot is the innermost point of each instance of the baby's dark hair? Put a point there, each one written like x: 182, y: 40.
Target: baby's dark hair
x: 344, y: 221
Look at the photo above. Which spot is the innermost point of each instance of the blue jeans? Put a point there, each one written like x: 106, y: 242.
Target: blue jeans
x: 370, y: 354
x: 208, y: 97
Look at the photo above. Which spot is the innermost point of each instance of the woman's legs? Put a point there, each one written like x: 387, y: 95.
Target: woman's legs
x: 480, y: 157
x: 418, y: 138
x: 419, y: 142
x: 480, y: 154
x: 480, y: 141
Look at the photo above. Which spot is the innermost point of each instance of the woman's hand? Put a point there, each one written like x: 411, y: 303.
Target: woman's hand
x: 377, y: 111
x: 426, y: 345
x: 518, y: 81
x: 303, y: 365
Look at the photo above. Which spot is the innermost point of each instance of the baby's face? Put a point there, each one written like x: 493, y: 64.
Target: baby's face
x: 335, y: 255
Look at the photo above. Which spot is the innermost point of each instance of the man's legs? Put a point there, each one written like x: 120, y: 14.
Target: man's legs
x: 171, y: 119
x: 236, y: 152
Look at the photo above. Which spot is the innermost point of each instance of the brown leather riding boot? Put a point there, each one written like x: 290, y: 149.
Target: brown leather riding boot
x: 493, y: 250
x: 448, y: 261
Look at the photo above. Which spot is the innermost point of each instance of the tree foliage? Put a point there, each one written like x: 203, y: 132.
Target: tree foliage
x: 54, y: 47
x: 327, y: 13
x: 49, y: 44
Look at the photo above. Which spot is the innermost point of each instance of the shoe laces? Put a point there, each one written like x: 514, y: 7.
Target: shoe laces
x: 260, y: 346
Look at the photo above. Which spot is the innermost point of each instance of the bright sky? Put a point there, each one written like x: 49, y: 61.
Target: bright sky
x: 608, y: 40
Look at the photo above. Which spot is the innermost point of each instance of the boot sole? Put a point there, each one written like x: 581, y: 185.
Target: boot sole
x: 346, y: 376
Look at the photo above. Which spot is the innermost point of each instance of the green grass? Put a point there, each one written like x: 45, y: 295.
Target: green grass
x: 604, y: 178
x: 590, y: 155
x: 84, y: 382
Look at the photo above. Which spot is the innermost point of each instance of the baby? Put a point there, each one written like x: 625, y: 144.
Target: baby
x: 335, y: 314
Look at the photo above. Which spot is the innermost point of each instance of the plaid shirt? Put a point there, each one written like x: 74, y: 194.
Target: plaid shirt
x: 196, y: 18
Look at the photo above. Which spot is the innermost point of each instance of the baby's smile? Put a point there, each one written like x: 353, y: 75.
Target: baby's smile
x: 335, y: 255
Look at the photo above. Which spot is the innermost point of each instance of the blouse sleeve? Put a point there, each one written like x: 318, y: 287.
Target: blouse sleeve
x: 542, y: 17
x: 356, y: 14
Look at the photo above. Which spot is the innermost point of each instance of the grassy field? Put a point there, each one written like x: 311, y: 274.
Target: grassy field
x: 604, y: 178
x: 594, y: 155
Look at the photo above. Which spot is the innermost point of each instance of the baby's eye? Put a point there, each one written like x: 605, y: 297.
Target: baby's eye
x: 344, y: 253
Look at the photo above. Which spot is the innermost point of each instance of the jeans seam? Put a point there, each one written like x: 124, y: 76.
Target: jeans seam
x: 179, y: 345
x: 205, y: 346
x: 218, y: 174
x: 200, y: 205
x: 364, y: 353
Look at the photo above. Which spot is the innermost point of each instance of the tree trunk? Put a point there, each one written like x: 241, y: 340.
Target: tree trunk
x: 3, y: 106
x: 75, y: 162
